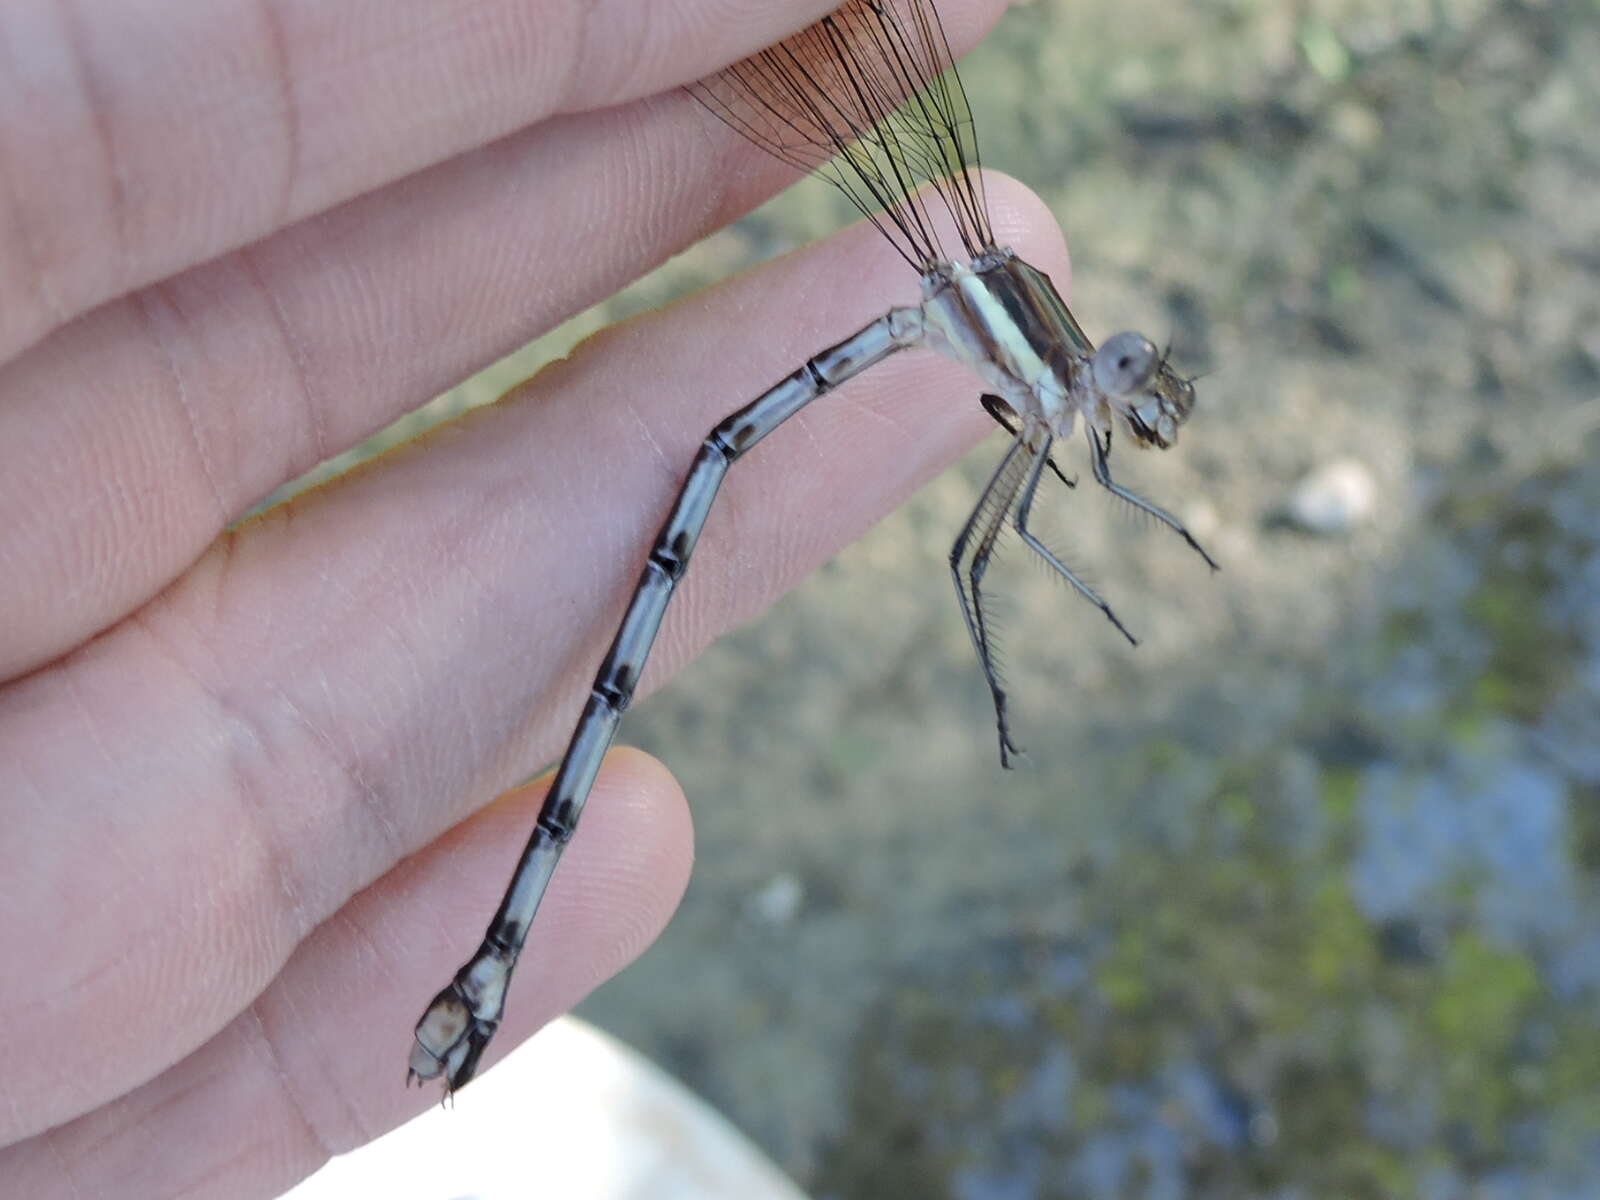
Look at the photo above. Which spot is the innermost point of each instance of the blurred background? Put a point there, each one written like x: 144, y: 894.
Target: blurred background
x: 1301, y: 898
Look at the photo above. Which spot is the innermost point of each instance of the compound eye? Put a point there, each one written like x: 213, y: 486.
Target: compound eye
x: 1124, y: 364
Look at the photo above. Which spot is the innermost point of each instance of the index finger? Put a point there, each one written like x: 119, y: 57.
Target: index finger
x: 140, y: 139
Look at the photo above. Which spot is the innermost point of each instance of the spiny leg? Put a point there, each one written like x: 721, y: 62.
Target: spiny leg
x: 977, y: 570
x: 970, y: 584
x: 459, y: 1022
x: 986, y: 521
x: 1003, y: 414
x: 1099, y: 454
x: 1038, y: 547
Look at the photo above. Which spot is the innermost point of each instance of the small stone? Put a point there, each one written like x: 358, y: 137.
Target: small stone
x: 1333, y: 499
x: 778, y: 901
x: 1202, y: 518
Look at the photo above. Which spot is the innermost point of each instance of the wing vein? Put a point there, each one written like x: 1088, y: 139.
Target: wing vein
x: 869, y: 98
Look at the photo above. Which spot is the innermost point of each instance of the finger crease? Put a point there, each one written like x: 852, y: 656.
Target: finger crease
x: 280, y: 1072
x: 151, y: 311
x: 278, y: 42
x: 100, y: 121
x: 63, y: 1160
x: 578, y: 70
x: 248, y: 801
x: 716, y: 205
x: 369, y: 797
x: 48, y: 303
x: 295, y: 349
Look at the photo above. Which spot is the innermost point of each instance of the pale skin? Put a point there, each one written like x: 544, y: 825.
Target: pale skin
x: 244, y: 771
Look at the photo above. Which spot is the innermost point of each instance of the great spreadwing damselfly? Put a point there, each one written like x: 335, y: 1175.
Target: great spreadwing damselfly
x: 870, y: 98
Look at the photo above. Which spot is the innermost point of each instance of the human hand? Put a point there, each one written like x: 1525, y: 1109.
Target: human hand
x: 239, y: 767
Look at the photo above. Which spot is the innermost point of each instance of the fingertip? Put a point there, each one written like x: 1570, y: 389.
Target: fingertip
x: 644, y: 780
x: 636, y: 847
x: 628, y: 864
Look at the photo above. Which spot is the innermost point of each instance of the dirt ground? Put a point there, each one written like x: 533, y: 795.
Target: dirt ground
x: 1299, y: 898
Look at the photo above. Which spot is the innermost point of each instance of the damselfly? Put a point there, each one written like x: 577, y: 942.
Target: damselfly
x: 870, y: 98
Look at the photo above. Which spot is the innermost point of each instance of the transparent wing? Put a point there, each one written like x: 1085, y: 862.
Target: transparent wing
x: 869, y: 98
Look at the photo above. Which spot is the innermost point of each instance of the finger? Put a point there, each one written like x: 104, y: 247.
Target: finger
x: 315, y: 1066
x: 139, y: 139
x: 425, y: 629
x: 131, y: 438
